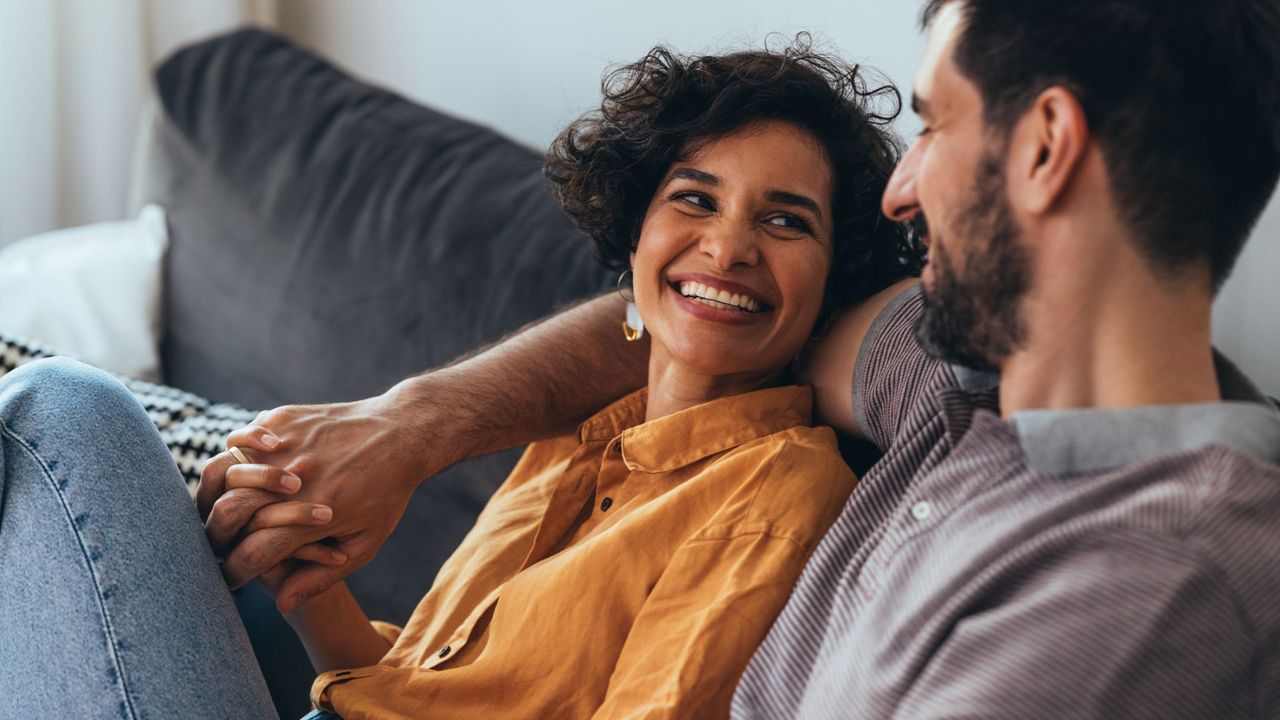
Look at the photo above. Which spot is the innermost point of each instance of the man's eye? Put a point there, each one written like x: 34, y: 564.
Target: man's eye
x: 698, y: 200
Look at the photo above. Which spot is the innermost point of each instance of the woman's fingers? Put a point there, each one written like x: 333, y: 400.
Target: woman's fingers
x: 261, y: 477
x: 320, y: 554
x: 261, y: 551
x: 231, y: 512
x: 289, y: 512
x: 213, y: 481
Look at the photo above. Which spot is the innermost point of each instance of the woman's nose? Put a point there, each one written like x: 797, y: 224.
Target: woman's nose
x: 730, y: 244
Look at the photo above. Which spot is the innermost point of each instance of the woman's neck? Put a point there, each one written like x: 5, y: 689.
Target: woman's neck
x: 674, y: 386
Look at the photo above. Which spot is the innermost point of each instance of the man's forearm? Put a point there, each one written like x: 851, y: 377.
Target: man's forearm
x: 538, y: 382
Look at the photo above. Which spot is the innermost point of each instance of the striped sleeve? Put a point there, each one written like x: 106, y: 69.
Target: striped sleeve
x: 891, y: 370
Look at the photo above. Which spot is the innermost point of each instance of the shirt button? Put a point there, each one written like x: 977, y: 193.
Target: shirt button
x: 444, y: 651
x: 605, y: 504
x: 921, y: 510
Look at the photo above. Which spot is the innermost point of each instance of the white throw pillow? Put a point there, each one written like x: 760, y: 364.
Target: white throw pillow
x: 92, y: 292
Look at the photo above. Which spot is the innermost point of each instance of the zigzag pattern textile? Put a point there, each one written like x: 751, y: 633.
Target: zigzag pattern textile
x: 193, y: 428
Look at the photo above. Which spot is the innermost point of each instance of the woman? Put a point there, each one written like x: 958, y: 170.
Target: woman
x: 631, y: 568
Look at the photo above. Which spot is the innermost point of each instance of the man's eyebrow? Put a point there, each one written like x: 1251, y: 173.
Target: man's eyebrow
x: 789, y: 198
x: 688, y: 173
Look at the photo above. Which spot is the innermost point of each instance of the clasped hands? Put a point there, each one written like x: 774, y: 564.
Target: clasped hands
x: 324, y: 487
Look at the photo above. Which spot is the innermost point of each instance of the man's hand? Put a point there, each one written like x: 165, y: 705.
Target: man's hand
x: 362, y: 459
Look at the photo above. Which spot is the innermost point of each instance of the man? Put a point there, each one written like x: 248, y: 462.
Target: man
x: 1099, y: 534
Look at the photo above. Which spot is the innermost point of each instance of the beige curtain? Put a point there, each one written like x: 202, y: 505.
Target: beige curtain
x: 74, y: 78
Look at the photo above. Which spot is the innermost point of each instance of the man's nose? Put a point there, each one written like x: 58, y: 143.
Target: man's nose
x: 899, y: 202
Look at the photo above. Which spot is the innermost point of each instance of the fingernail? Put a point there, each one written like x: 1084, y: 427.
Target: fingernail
x: 322, y: 513
x: 271, y: 441
x: 339, y: 556
x: 291, y: 482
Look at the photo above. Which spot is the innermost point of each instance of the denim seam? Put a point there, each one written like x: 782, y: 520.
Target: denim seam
x: 93, y: 572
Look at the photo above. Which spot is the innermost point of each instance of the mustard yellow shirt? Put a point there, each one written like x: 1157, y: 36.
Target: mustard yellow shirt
x: 627, y: 571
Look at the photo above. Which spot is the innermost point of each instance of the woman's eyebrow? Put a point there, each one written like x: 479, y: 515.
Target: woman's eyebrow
x: 688, y: 173
x: 789, y: 198
x: 778, y: 196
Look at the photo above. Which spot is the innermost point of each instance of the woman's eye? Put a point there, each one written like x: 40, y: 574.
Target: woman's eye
x: 790, y: 222
x: 698, y: 200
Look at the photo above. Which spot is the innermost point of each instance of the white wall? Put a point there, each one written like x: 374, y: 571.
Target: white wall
x: 528, y: 68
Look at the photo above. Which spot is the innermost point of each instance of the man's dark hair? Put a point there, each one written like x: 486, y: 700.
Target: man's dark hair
x: 1183, y: 97
x: 606, y: 166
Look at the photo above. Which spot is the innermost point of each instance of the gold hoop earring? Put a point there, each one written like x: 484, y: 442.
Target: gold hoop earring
x: 633, y: 325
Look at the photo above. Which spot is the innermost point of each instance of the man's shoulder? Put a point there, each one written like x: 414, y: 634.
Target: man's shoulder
x: 1208, y: 518
x: 1234, y: 523
x: 1202, y: 497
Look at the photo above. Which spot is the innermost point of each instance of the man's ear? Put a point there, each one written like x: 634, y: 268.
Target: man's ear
x: 1046, y: 149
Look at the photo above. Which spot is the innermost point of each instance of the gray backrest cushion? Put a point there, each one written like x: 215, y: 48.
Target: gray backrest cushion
x: 329, y: 238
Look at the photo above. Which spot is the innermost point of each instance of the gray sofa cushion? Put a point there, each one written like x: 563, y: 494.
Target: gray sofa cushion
x: 329, y: 238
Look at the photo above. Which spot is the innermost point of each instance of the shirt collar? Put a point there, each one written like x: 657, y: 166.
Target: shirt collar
x: 687, y: 436
x: 1065, y: 442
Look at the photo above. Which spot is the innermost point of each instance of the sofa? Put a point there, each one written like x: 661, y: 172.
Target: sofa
x: 328, y: 238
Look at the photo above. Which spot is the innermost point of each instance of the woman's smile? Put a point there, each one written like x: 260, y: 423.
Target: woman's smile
x: 718, y: 300
x: 733, y: 255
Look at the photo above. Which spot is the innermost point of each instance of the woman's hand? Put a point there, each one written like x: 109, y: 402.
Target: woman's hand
x: 257, y: 497
x: 362, y: 459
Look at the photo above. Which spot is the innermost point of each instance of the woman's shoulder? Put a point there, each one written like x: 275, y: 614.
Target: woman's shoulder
x: 793, y: 483
x: 802, y: 443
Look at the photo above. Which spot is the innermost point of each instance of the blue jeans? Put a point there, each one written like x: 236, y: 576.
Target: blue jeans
x: 111, y: 602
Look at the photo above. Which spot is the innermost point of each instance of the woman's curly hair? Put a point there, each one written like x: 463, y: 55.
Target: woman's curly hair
x: 605, y: 167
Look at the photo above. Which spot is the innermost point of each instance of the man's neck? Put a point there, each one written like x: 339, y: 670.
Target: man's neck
x: 1117, y: 338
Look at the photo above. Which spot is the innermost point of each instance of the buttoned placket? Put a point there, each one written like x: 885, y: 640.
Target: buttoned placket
x: 916, y: 514
x: 612, y: 477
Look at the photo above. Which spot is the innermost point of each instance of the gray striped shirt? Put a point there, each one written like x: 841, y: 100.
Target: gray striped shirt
x: 1065, y: 564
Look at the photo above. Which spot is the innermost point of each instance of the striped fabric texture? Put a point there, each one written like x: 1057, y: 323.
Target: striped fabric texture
x: 961, y: 582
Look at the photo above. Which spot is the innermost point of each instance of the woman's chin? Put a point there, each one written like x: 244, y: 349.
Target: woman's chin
x: 731, y: 361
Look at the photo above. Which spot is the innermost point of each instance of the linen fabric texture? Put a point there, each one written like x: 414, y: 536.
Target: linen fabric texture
x: 91, y: 291
x: 1079, y: 564
x: 628, y: 570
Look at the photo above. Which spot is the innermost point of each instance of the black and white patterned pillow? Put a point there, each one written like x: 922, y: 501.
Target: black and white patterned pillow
x: 193, y: 428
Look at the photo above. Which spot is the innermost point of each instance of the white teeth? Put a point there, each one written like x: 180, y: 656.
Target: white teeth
x: 714, y: 297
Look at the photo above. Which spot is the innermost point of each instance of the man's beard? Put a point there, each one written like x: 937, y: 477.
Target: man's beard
x: 972, y: 316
